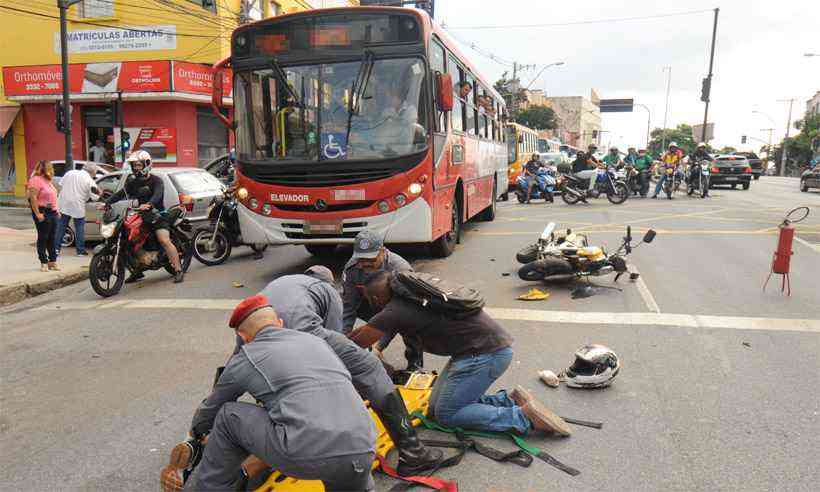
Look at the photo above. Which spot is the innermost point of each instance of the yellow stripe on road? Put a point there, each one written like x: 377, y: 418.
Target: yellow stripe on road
x: 527, y: 315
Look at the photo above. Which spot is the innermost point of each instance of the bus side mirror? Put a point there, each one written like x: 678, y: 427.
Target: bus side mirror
x: 444, y: 91
x: 218, y: 93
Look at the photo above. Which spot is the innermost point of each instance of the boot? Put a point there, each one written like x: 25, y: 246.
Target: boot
x: 414, y: 458
x: 185, y: 456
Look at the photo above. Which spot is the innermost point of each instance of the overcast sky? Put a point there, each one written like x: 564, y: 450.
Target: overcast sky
x: 758, y: 58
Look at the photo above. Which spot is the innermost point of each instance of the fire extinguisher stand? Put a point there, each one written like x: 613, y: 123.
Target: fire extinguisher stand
x: 781, y: 261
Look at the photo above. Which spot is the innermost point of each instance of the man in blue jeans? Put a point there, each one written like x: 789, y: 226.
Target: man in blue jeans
x: 76, y: 188
x: 480, y: 352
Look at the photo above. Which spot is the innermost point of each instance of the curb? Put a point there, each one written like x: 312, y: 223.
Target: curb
x: 15, y: 293
x: 6, y: 203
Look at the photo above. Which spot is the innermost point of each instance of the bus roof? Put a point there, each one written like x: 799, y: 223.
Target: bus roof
x: 427, y: 23
x: 519, y: 126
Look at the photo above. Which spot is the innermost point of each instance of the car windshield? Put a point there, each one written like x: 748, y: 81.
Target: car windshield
x: 387, y: 121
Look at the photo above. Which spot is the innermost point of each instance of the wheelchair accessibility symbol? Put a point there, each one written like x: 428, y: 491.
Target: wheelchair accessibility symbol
x: 333, y: 146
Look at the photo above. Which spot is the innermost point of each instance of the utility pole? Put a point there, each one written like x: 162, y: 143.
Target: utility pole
x: 707, y: 83
x: 63, y: 6
x: 769, y: 147
x: 666, y: 111
x: 648, y: 120
x: 784, y: 155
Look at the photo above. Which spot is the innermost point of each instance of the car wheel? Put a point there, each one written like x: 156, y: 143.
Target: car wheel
x: 734, y: 186
x: 68, y: 237
x: 321, y: 250
x: 804, y: 187
x: 757, y: 176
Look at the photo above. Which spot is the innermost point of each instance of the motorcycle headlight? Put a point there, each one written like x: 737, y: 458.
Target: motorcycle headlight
x: 107, y: 230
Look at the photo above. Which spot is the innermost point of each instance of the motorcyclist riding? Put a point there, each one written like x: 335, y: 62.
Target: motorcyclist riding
x: 670, y: 159
x: 591, y: 154
x: 148, y: 190
x: 584, y: 167
x: 531, y: 172
x: 700, y: 154
x: 631, y: 156
x: 643, y: 163
x: 613, y: 158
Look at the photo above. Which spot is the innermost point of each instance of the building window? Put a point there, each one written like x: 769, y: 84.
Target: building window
x: 96, y: 8
x: 275, y: 9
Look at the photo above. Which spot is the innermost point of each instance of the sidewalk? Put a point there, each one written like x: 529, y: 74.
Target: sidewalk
x: 13, y: 201
x: 20, y: 275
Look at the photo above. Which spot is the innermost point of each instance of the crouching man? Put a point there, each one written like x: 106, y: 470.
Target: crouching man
x: 480, y: 351
x: 312, y: 424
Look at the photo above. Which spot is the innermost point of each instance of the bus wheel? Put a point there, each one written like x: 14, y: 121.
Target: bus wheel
x: 446, y: 244
x: 488, y: 214
x: 321, y: 250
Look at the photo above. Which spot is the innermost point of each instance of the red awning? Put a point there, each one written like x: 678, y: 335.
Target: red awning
x: 7, y: 115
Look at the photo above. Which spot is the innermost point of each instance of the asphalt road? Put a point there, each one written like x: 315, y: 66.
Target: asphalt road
x: 718, y: 391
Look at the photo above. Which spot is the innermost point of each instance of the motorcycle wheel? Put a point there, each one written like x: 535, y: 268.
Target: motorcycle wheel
x: 619, y: 194
x: 100, y: 272
x: 569, y: 198
x: 527, y: 254
x: 219, y: 253
x: 531, y: 272
x: 704, y: 187
x: 522, y: 198
x: 258, y: 249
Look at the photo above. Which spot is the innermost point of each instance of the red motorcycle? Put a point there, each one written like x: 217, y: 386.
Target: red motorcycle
x: 130, y: 244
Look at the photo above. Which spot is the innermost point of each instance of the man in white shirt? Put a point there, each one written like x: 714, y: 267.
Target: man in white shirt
x: 97, y: 152
x: 76, y: 189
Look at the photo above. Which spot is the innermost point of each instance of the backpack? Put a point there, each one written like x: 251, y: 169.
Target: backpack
x: 438, y: 295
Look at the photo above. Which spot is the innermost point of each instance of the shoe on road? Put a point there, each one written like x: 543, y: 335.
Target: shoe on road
x: 541, y: 417
x: 134, y: 277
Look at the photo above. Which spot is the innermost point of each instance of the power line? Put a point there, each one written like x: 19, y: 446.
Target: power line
x: 576, y: 23
x: 481, y: 51
x: 91, y: 23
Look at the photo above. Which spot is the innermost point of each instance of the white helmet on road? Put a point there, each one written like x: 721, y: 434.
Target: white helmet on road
x: 595, y: 366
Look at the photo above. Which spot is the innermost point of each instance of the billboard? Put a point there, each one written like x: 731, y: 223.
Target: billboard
x: 138, y: 38
x: 616, y: 105
x: 132, y: 76
x: 160, y: 142
x: 199, y: 79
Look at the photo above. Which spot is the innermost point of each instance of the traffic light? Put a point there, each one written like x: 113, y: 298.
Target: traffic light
x: 705, y: 89
x: 743, y: 139
x: 59, y: 113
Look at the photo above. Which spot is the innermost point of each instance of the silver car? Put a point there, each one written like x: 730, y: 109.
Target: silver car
x: 192, y: 186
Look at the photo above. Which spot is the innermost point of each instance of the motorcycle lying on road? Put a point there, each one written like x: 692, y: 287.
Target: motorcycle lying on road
x: 699, y: 178
x: 574, y: 189
x: 563, y: 255
x: 212, y: 245
x: 129, y: 244
x: 544, y: 186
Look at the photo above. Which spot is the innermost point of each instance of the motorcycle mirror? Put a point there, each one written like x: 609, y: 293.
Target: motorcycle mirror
x: 650, y: 236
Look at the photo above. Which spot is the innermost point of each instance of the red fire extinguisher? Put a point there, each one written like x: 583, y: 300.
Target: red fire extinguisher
x: 781, y: 262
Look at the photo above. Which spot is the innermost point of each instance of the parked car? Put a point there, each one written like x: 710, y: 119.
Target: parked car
x: 191, y: 186
x: 754, y: 161
x: 60, y: 169
x: 558, y: 160
x: 810, y: 178
x: 730, y: 170
x: 221, y: 168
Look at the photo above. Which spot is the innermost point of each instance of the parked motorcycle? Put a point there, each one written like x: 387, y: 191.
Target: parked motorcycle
x: 669, y: 184
x: 562, y: 255
x: 212, y: 245
x: 130, y: 245
x: 544, y: 186
x: 574, y: 189
x: 699, y: 178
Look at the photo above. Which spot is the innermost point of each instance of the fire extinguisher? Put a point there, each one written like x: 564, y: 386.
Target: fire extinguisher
x: 781, y: 262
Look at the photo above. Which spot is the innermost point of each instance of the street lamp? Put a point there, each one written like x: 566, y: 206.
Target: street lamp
x: 648, y: 119
x: 666, y: 111
x: 556, y: 64
x: 770, y: 130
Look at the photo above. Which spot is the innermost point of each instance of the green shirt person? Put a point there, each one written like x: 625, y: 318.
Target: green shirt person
x: 643, y: 161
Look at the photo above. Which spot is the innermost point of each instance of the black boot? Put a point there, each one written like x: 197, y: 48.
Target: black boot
x: 414, y: 355
x: 414, y: 458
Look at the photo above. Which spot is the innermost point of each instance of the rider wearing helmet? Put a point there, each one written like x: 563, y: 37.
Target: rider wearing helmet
x: 591, y: 150
x: 700, y: 154
x: 613, y: 158
x: 670, y: 159
x: 148, y: 190
x: 531, y: 173
x: 631, y: 156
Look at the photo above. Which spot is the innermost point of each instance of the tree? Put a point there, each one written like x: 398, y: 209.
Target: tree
x: 538, y: 117
x: 727, y: 150
x: 801, y: 147
x: 682, y: 135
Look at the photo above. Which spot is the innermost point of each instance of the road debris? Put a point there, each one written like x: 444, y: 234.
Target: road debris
x: 238, y: 284
x: 534, y: 295
x: 549, y: 378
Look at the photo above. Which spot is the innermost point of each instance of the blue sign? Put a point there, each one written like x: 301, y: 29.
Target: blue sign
x: 334, y: 146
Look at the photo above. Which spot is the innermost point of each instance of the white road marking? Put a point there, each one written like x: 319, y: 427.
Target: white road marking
x: 815, y: 247
x: 533, y: 315
x: 646, y: 295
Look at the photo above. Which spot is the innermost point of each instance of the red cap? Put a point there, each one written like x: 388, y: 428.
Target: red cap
x: 246, y: 308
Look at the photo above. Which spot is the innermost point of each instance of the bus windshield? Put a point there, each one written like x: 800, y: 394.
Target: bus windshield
x: 388, y: 121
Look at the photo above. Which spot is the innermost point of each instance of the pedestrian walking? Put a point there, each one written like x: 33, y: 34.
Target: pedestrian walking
x: 76, y: 188
x: 42, y: 197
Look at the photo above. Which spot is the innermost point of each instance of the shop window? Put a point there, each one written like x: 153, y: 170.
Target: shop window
x: 96, y: 8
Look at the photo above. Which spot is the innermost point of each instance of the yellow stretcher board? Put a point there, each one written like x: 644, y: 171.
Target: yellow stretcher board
x: 414, y: 399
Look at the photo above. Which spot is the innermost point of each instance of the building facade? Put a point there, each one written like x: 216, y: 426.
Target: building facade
x: 154, y: 56
x: 579, y: 120
x: 813, y: 104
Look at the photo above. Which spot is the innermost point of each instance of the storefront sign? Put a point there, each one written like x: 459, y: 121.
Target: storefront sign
x: 160, y: 142
x: 136, y: 76
x: 198, y: 79
x: 138, y: 38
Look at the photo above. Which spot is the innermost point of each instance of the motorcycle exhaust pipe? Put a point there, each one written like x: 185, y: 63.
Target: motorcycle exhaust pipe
x: 604, y: 270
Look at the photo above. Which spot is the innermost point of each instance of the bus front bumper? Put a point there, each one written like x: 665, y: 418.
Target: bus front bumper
x: 412, y: 223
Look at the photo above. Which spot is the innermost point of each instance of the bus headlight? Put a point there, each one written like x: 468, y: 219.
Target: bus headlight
x: 253, y: 203
x: 266, y: 209
x: 401, y: 200
x: 384, y: 207
x: 414, y: 189
x: 107, y: 230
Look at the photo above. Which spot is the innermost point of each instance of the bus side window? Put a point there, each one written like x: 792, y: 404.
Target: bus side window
x: 437, y: 65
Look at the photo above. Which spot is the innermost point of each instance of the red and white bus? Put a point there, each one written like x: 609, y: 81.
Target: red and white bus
x: 361, y: 117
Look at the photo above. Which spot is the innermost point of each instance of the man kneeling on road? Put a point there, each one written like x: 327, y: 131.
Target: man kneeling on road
x: 480, y: 352
x: 311, y: 424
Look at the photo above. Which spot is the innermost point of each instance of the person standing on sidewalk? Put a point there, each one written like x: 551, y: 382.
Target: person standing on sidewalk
x: 42, y: 197
x: 76, y: 189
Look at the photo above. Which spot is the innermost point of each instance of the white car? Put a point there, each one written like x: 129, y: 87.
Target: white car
x: 192, y: 186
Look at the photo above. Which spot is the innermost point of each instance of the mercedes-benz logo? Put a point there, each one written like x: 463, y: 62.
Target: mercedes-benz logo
x: 321, y: 205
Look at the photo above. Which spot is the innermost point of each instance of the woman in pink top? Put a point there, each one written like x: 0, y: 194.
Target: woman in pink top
x: 42, y: 196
